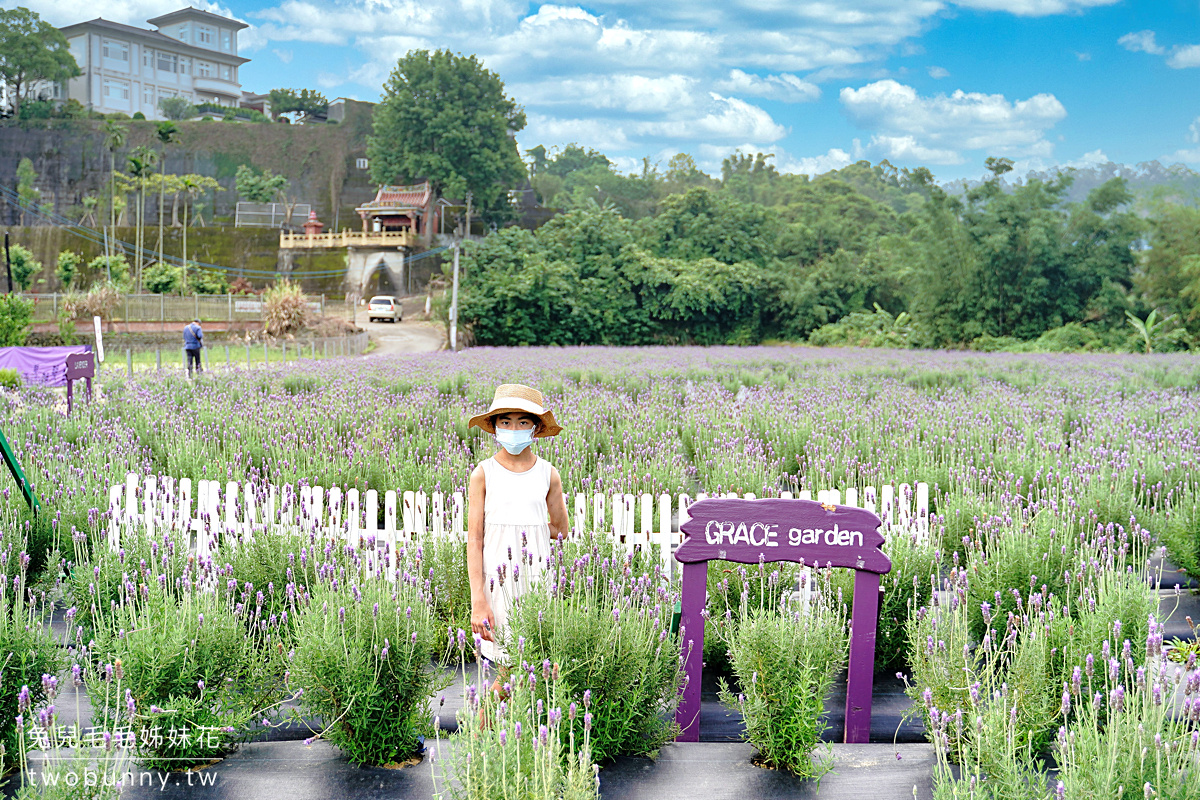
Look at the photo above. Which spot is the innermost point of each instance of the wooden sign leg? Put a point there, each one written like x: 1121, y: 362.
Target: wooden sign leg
x: 691, y: 624
x: 863, y: 623
x: 69, y: 398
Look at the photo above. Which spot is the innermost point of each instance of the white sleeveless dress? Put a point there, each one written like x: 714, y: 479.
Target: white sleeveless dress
x: 516, y: 539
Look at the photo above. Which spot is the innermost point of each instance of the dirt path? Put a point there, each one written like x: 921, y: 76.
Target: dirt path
x: 413, y: 335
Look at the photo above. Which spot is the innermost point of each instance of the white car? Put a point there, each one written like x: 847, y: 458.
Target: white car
x: 383, y: 307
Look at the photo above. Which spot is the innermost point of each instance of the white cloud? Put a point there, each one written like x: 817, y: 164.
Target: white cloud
x: 283, y: 55
x: 1184, y: 56
x: 1035, y: 8
x: 636, y: 94
x: 785, y: 87
x: 1084, y: 56
x: 938, y: 73
x: 906, y: 148
x: 1194, y: 131
x: 936, y: 128
x: 834, y: 158
x: 727, y: 119
x: 1141, y: 42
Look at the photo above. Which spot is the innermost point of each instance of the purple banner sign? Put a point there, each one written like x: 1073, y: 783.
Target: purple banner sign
x: 44, y: 366
x: 821, y: 535
x: 80, y: 366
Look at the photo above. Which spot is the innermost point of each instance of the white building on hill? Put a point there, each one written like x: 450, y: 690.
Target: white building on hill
x: 192, y: 54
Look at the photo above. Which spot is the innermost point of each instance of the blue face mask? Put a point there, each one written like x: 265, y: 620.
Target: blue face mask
x: 514, y: 441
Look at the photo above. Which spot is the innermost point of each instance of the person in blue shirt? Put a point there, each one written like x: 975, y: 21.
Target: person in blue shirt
x: 193, y: 341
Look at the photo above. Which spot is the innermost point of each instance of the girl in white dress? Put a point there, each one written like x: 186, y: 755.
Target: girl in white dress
x: 515, y: 505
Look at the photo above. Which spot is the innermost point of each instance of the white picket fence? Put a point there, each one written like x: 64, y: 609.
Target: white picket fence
x: 637, y: 521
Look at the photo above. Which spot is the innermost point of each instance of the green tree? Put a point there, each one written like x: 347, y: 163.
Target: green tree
x: 163, y: 278
x: 703, y: 223
x: 749, y: 177
x: 289, y: 101
x: 141, y: 166
x: 259, y: 187
x: 27, y: 193
x: 192, y: 186
x: 15, y: 315
x: 67, y: 268
x: 166, y: 133
x: 24, y: 267
x: 32, y: 51
x: 574, y: 158
x: 445, y: 118
x: 114, y: 140
x: 1164, y: 279
x: 176, y: 108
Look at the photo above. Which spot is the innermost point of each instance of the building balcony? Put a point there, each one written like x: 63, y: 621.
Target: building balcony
x: 216, y: 86
x: 317, y: 241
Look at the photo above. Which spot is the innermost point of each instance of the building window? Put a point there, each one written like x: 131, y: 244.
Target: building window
x: 226, y: 41
x: 226, y: 73
x: 204, y: 69
x: 117, y: 51
x: 361, y: 163
x: 204, y: 35
x: 116, y: 90
x: 148, y: 95
x: 183, y: 65
x: 147, y: 57
x: 166, y: 62
x: 183, y: 33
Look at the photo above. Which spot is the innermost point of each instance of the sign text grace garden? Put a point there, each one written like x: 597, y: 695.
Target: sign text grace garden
x: 749, y: 531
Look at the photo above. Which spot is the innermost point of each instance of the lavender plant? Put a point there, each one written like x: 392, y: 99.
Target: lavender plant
x: 197, y: 676
x: 521, y: 743
x: 785, y: 655
x: 27, y: 652
x: 604, y: 619
x: 362, y: 663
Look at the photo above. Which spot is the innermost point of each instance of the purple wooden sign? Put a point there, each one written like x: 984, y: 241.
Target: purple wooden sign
x: 747, y: 531
x: 79, y: 365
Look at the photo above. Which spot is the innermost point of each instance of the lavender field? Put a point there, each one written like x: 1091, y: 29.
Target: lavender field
x: 1109, y: 436
x: 1028, y: 626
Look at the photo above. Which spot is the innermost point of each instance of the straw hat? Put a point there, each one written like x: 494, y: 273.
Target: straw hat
x: 516, y: 398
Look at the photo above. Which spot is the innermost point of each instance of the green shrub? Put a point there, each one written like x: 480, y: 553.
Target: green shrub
x: 15, y: 316
x: 67, y: 268
x: 138, y: 115
x: 10, y: 379
x: 609, y: 634
x: 524, y: 746
x: 1068, y: 338
x: 785, y: 660
x: 363, y: 662
x: 198, y: 679
x: 27, y: 652
x: 300, y: 384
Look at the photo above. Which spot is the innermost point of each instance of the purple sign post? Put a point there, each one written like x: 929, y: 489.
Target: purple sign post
x: 747, y: 531
x: 79, y: 365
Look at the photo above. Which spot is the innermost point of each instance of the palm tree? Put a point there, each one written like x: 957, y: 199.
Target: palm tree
x: 114, y: 139
x: 141, y: 166
x: 166, y: 132
x: 89, y: 209
x: 192, y: 186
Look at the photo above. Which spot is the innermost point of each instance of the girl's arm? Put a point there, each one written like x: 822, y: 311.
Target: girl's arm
x: 556, y: 505
x: 481, y: 609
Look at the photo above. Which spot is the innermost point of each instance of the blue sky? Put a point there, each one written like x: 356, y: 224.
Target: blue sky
x: 819, y: 83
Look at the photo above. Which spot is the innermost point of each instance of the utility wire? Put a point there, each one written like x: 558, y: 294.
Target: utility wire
x: 127, y: 248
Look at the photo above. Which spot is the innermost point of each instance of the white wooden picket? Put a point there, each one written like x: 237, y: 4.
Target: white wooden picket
x: 161, y: 503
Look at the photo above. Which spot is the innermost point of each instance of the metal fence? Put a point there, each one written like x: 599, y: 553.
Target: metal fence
x: 170, y: 308
x: 233, y: 354
x: 269, y: 215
